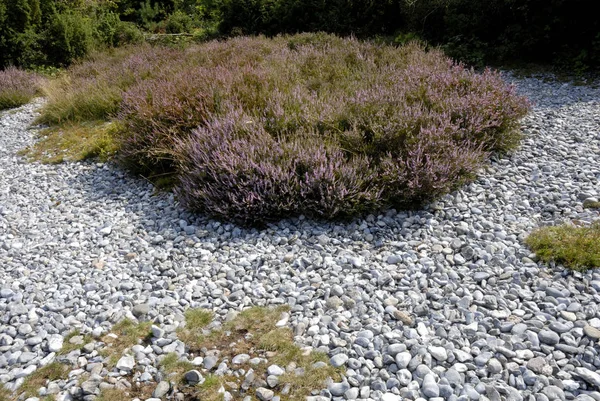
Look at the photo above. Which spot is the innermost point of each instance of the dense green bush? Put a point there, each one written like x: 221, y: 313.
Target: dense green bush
x: 178, y: 22
x: 37, y: 33
x: 478, y: 32
x: 70, y: 36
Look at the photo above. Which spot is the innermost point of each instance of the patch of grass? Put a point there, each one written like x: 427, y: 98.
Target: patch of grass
x: 92, y: 90
x: 68, y: 347
x: 17, y: 87
x: 142, y: 392
x: 67, y: 104
x: 209, y: 390
x: 257, y: 320
x: 253, y: 331
x: 113, y: 394
x: 128, y: 333
x: 171, y: 364
x: 75, y: 142
x: 5, y: 395
x: 577, y: 248
x: 39, y: 378
x: 281, y: 341
x: 195, y: 321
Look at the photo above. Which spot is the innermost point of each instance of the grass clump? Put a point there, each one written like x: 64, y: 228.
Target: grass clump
x: 112, y: 394
x: 123, y: 335
x: 209, y: 389
x: 68, y: 346
x: 5, y: 395
x: 17, y: 87
x: 39, y: 378
x: 281, y: 341
x: 75, y: 142
x: 174, y: 367
x: 577, y: 248
x: 142, y: 392
x: 253, y: 331
x: 195, y: 321
x: 92, y: 90
x: 592, y: 205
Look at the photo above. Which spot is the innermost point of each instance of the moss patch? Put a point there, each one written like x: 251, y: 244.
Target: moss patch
x: 577, y: 248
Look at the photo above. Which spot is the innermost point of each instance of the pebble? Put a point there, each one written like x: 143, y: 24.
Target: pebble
x: 162, y: 388
x: 264, y: 394
x: 194, y: 377
x: 338, y: 360
x: 126, y: 363
x: 592, y: 332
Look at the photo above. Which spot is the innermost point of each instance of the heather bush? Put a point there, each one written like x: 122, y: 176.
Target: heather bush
x: 233, y: 168
x: 256, y: 129
x: 17, y: 87
x: 93, y: 89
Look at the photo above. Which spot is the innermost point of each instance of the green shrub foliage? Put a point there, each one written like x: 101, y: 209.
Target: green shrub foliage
x: 37, y: 33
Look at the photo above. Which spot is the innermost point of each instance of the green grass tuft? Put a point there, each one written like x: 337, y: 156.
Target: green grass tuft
x: 171, y: 365
x: 68, y: 347
x: 577, y: 248
x: 39, y: 378
x: 75, y: 142
x: 195, y: 321
x: 128, y: 333
x: 592, y: 205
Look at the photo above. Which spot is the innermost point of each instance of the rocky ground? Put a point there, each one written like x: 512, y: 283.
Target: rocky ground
x: 441, y: 304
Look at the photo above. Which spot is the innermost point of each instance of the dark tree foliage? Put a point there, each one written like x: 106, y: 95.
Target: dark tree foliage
x: 35, y: 33
x: 473, y: 30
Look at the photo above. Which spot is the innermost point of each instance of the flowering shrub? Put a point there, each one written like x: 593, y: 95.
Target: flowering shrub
x: 257, y: 129
x: 234, y: 168
x: 17, y: 87
x: 93, y: 89
x: 254, y: 129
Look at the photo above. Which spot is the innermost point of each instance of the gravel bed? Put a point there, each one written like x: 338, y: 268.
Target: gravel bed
x: 441, y: 304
